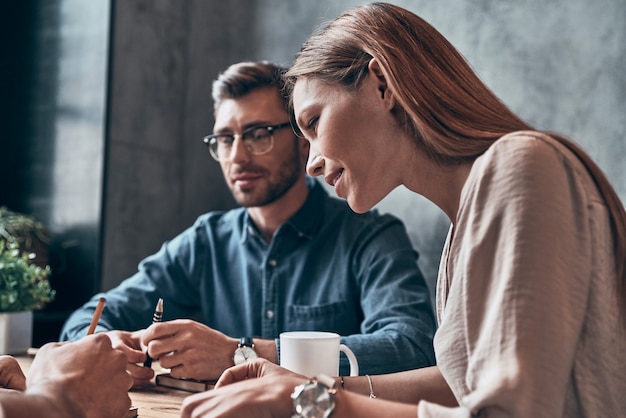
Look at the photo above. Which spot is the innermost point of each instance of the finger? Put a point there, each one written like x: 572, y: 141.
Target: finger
x: 11, y: 375
x: 169, y: 356
x: 18, y: 381
x: 237, y: 373
x: 140, y: 372
x: 130, y: 380
x: 140, y: 383
x: 166, y: 346
x: 9, y: 390
x: 133, y: 355
x: 136, y: 356
x: 191, y: 402
x: 161, y: 330
x: 132, y: 341
x: 182, y: 372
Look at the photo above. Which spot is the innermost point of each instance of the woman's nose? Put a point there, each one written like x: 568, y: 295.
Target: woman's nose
x: 315, y: 164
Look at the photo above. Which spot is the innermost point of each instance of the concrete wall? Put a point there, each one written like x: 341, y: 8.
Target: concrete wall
x: 559, y: 64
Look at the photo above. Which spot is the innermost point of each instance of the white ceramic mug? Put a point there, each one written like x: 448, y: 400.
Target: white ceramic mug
x: 313, y: 352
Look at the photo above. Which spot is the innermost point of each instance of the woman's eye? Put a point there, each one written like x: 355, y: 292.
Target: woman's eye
x: 310, y: 126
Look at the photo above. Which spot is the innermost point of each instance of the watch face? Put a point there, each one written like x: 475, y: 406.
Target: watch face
x: 314, y: 401
x: 244, y: 354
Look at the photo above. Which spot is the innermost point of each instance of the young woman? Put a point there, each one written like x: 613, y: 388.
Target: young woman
x: 531, y: 289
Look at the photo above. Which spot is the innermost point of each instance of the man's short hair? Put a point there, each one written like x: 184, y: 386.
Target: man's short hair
x: 242, y: 78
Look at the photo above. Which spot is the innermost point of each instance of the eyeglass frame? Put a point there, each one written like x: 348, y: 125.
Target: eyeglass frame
x: 211, y: 141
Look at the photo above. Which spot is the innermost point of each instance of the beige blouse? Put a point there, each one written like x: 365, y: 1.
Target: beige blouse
x: 526, y: 301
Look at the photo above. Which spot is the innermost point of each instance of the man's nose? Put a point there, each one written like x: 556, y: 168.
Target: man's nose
x: 239, y: 151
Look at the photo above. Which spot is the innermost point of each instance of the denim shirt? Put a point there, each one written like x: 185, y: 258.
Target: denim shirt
x: 326, y: 269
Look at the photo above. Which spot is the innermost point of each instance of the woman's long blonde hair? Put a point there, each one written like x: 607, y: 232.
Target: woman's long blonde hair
x: 442, y: 103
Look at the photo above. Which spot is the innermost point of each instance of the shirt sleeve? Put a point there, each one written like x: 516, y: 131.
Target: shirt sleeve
x: 398, y: 324
x: 520, y: 280
x: 167, y: 274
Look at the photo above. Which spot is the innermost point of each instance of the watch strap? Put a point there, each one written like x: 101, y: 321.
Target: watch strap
x: 246, y: 342
x: 327, y: 381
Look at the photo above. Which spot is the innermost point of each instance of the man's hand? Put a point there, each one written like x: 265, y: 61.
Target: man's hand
x: 190, y: 349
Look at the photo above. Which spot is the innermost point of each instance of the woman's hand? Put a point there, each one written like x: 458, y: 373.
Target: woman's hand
x: 258, y: 388
x: 254, y: 369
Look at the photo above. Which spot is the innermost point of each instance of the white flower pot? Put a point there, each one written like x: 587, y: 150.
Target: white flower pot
x: 16, y: 332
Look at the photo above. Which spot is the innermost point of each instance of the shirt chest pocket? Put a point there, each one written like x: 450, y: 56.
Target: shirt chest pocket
x: 332, y: 317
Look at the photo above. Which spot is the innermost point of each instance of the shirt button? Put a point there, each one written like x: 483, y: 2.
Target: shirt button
x: 269, y: 314
x: 272, y: 262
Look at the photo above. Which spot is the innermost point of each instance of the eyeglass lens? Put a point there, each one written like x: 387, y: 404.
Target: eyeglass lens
x: 258, y: 141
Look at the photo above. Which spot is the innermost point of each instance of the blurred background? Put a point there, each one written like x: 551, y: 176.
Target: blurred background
x: 105, y: 103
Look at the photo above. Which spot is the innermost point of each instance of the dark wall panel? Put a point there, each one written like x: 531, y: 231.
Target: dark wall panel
x: 54, y: 152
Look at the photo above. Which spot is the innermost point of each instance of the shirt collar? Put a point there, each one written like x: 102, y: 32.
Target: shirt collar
x: 305, y: 221
x: 308, y: 218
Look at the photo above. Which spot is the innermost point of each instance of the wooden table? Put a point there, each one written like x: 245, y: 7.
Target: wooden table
x: 152, y: 401
x: 157, y: 401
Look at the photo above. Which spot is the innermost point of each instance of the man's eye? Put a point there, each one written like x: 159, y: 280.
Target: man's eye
x: 225, y: 139
x: 258, y: 134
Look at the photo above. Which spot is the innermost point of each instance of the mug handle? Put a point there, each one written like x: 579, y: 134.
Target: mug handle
x: 354, y: 365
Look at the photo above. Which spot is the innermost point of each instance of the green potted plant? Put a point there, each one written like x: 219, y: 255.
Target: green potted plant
x: 24, y: 284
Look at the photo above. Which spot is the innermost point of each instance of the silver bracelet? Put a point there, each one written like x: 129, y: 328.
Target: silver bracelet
x: 369, y: 380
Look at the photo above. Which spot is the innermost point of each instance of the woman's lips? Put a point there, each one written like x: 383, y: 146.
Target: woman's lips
x: 333, y: 178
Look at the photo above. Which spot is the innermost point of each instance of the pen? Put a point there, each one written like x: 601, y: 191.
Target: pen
x: 158, y: 315
x: 96, y: 316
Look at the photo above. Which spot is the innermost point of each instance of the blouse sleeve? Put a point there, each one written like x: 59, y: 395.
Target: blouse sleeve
x: 519, y: 268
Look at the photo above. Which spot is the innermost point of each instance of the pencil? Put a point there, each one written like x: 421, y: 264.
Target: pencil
x: 156, y: 317
x: 96, y: 316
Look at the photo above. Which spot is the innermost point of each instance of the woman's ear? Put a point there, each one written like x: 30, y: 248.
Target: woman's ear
x: 385, y: 93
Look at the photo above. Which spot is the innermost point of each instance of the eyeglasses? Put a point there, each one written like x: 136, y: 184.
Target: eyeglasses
x: 258, y: 140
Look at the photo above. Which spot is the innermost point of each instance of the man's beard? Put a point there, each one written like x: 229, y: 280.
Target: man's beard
x: 290, y: 172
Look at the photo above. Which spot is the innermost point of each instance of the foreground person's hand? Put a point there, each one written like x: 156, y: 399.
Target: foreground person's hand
x: 241, y: 392
x: 129, y: 343
x: 86, y: 378
x: 11, y: 376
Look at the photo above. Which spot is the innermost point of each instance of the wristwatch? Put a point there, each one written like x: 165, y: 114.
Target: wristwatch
x: 315, y: 398
x: 245, y: 351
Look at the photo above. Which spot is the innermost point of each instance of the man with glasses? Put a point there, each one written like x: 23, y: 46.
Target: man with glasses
x: 290, y: 258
